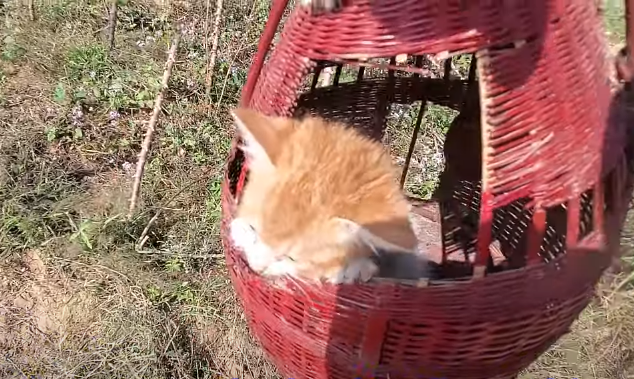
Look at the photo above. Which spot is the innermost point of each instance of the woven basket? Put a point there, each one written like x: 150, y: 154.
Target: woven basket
x: 536, y: 161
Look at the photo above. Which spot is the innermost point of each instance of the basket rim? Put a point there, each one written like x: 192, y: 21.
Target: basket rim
x: 228, y: 211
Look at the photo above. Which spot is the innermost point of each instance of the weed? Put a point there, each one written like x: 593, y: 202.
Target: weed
x: 88, y: 63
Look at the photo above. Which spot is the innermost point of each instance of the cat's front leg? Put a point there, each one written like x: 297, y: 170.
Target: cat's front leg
x: 321, y: 6
x: 358, y: 270
x: 258, y: 255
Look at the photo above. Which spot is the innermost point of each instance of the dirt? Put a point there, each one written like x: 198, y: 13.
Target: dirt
x: 425, y: 222
x: 37, y: 306
x: 425, y: 217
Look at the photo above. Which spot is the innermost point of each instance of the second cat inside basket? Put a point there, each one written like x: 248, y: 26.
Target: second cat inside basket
x: 321, y: 203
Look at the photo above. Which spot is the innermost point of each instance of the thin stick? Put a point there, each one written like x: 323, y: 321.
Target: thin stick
x: 233, y: 59
x: 206, y: 39
x: 136, y: 189
x: 31, y: 10
x: 112, y: 23
x: 214, y: 48
x: 144, y: 237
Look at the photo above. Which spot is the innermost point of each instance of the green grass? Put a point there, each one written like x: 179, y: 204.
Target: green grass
x: 427, y: 160
x: 85, y: 295
x: 68, y: 152
x: 613, y: 12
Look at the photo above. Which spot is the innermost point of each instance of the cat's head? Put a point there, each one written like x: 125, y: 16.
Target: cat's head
x: 320, y: 194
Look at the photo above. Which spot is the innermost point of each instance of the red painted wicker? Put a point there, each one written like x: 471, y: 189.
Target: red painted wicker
x: 548, y: 178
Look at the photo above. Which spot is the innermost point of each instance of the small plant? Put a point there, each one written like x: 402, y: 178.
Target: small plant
x: 61, y: 11
x: 52, y: 133
x: 84, y: 233
x: 174, y: 265
x: 439, y: 117
x: 184, y: 293
x: 21, y: 229
x: 213, y: 202
x: 59, y: 95
x: 88, y: 63
x: 89, y: 230
x: 11, y: 51
x: 154, y: 294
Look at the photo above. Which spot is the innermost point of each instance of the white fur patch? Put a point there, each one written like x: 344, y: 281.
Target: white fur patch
x: 261, y: 258
x: 281, y: 268
x: 258, y: 255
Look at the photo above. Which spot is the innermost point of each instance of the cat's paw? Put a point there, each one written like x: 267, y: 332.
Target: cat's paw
x: 244, y: 236
x: 281, y: 268
x: 322, y: 6
x: 358, y: 270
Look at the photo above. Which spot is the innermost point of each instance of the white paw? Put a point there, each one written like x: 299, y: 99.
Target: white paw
x: 245, y: 237
x: 359, y: 270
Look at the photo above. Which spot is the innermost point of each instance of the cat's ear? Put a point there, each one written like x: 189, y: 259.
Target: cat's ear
x: 263, y: 135
x: 393, y: 235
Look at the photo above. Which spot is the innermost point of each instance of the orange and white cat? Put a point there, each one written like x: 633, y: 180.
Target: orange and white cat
x: 321, y: 201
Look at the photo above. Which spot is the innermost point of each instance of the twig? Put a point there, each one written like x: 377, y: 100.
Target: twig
x: 233, y: 59
x: 211, y: 65
x: 93, y: 266
x: 31, y: 10
x: 112, y: 23
x: 206, y: 31
x: 136, y: 189
x: 144, y: 237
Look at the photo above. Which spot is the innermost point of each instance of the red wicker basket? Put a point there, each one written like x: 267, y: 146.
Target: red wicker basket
x: 546, y: 175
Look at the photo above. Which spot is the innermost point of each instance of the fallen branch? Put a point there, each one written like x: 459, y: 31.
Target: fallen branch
x: 112, y: 23
x: 140, y: 167
x: 211, y: 64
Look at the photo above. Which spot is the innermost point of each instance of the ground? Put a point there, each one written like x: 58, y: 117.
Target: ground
x: 84, y: 295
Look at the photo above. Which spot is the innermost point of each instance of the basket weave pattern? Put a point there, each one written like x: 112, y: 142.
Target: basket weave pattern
x: 550, y: 186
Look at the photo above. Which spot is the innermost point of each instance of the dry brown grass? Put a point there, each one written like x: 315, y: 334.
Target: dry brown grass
x: 599, y: 346
x: 80, y: 299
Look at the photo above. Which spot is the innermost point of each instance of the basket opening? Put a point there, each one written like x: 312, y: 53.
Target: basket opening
x: 415, y: 107
x: 427, y: 114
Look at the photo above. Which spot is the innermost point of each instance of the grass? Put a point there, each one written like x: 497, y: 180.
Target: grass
x: 81, y: 297
x: 613, y: 12
x: 87, y: 300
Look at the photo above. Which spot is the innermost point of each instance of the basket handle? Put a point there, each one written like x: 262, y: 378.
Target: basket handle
x: 264, y: 45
